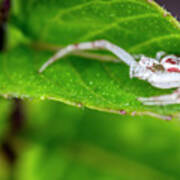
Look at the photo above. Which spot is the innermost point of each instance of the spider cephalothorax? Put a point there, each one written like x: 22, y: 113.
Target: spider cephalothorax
x: 169, y: 63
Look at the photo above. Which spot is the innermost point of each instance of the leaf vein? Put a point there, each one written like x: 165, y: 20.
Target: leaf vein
x: 156, y: 39
x: 115, y: 24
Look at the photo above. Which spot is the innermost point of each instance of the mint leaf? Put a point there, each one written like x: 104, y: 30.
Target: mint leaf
x: 139, y: 26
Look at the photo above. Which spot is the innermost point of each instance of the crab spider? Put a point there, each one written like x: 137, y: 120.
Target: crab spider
x: 162, y: 72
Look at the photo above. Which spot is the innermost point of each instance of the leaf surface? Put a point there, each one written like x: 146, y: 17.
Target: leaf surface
x: 139, y: 26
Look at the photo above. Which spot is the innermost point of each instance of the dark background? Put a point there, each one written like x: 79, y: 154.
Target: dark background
x: 172, y: 6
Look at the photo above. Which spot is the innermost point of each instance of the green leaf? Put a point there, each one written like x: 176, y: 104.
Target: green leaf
x: 61, y: 142
x: 139, y: 26
x: 5, y: 169
x: 5, y: 108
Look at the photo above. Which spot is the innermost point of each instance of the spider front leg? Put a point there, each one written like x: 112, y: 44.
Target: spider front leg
x: 160, y: 55
x: 173, y: 98
x: 99, y: 44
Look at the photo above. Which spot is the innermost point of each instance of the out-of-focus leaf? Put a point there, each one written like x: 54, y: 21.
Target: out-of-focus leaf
x: 5, y: 169
x: 5, y: 109
x: 64, y: 143
x: 15, y: 36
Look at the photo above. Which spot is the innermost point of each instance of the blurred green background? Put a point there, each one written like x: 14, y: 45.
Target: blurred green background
x: 63, y: 142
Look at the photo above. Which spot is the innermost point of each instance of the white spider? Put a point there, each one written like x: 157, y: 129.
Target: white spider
x: 162, y: 72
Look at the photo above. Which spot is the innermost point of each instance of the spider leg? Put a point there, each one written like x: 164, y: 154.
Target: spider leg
x: 173, y: 98
x: 159, y: 55
x: 138, y: 56
x: 99, y: 44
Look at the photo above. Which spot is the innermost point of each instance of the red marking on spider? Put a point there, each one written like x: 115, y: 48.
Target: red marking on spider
x: 171, y: 61
x: 173, y: 69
